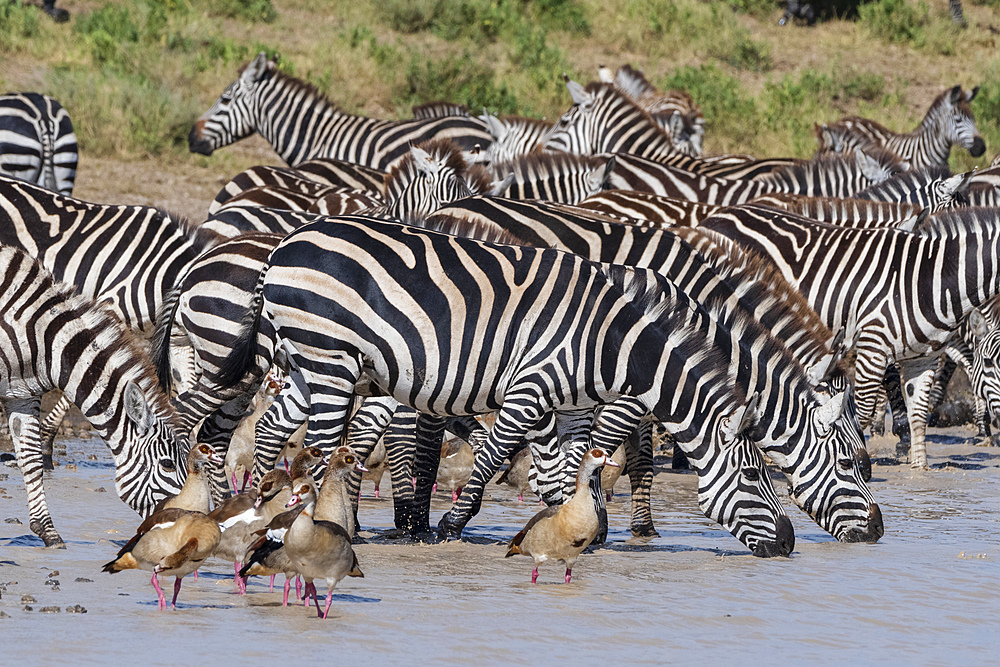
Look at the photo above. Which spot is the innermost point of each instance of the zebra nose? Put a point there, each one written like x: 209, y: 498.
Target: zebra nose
x: 783, y: 543
x: 872, y: 533
x: 978, y: 147
x: 198, y: 145
x: 864, y: 463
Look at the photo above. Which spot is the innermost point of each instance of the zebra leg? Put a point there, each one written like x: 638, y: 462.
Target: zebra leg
x: 429, y: 434
x: 22, y: 419
x: 280, y: 421
x: 400, y: 447
x: 900, y: 421
x: 49, y: 428
x: 920, y: 374
x: 639, y: 455
x: 521, y: 410
x: 574, y: 441
x: 363, y: 432
x: 942, y: 376
x: 878, y: 416
x: 545, y: 475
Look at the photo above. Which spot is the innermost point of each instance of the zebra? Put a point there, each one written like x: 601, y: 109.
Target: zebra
x: 680, y: 255
x: 933, y: 189
x: 54, y: 338
x: 949, y: 121
x: 674, y: 110
x: 857, y: 213
x: 898, y: 295
x: 556, y: 177
x: 830, y: 177
x: 300, y: 123
x: 37, y: 143
x: 235, y: 221
x: 564, y: 362
x: 642, y: 207
x: 126, y: 257
x: 513, y: 137
x: 438, y: 110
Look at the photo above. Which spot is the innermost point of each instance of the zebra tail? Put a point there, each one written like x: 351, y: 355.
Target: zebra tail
x: 159, y: 346
x: 243, y: 356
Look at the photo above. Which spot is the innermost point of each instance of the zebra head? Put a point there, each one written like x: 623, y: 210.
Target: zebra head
x: 827, y: 482
x: 736, y: 491
x: 151, y: 463
x: 432, y: 175
x: 577, y: 130
x: 985, y: 361
x: 960, y: 128
x: 234, y: 114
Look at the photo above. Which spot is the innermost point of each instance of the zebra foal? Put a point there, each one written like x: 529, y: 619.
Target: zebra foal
x: 52, y: 338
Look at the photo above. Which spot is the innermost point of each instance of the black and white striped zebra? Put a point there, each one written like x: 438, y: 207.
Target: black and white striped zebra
x: 513, y: 137
x: 898, y: 295
x: 431, y: 175
x: 492, y: 366
x: 556, y: 177
x: 933, y: 189
x: 37, y: 143
x: 949, y: 121
x: 301, y: 123
x: 53, y: 338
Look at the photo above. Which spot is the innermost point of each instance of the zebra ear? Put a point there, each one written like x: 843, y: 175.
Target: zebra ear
x: 605, y: 74
x: 978, y: 326
x: 869, y: 167
x: 578, y: 93
x: 137, y: 409
x: 820, y: 371
x: 255, y: 71
x: 493, y: 125
x: 958, y: 183
x: 422, y: 160
x: 971, y: 95
x: 956, y: 95
x: 743, y: 419
x: 915, y: 224
x: 830, y: 412
x: 499, y: 188
x: 676, y: 125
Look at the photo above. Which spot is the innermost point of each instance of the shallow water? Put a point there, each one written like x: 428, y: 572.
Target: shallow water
x: 929, y: 592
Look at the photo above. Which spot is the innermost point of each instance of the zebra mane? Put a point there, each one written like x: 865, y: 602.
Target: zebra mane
x: 479, y: 230
x: 201, y: 238
x: 962, y: 222
x: 757, y: 280
x: 834, y: 161
x: 439, y: 109
x: 905, y: 180
x: 673, y: 315
x: 405, y: 171
x: 539, y: 166
x: 522, y: 121
x: 634, y: 84
x: 608, y: 90
x: 116, y: 340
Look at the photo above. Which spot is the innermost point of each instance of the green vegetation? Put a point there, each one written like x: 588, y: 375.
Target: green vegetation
x: 136, y: 73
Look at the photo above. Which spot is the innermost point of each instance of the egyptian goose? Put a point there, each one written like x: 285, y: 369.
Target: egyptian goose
x: 239, y: 457
x: 240, y: 516
x: 172, y: 542
x: 318, y: 549
x: 266, y: 555
x: 562, y: 532
x: 516, y: 474
x: 293, y: 445
x: 195, y: 495
x: 334, y: 500
x: 455, y: 469
x: 611, y: 474
x: 301, y: 469
x: 376, y: 463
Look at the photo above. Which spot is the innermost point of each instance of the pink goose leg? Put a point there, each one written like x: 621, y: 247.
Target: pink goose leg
x: 569, y: 574
x: 159, y: 592
x: 271, y: 589
x: 298, y: 587
x: 319, y: 612
x: 284, y: 598
x: 329, y: 599
x: 534, y: 575
x: 177, y: 589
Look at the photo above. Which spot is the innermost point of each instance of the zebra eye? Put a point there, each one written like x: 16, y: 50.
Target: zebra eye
x: 845, y: 464
x: 225, y: 99
x: 168, y: 465
x: 751, y: 474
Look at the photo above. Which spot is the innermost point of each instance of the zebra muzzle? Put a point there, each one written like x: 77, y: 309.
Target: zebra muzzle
x: 978, y: 147
x: 783, y: 543
x: 198, y: 145
x: 873, y: 533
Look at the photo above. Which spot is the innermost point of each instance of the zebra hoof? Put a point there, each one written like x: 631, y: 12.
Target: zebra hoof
x: 47, y: 463
x: 644, y: 530
x: 48, y: 534
x: 449, y: 529
x: 429, y: 537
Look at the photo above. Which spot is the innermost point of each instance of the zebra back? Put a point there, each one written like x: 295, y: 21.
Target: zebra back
x: 286, y: 178
x: 344, y: 201
x: 933, y: 189
x: 641, y: 206
x: 834, y: 175
x: 439, y: 110
x: 556, y: 177
x: 858, y: 213
x: 272, y: 196
x: 513, y: 137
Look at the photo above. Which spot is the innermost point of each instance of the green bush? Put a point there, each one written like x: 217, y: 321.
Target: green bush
x: 18, y: 22
x: 455, y: 79
x: 759, y: 8
x: 251, y: 11
x: 896, y: 21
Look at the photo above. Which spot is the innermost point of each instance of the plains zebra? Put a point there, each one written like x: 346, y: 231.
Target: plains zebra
x: 231, y: 222
x: 513, y: 137
x: 681, y: 255
x: 827, y: 178
x: 53, y: 338
x: 634, y: 206
x: 857, y: 213
x: 674, y: 110
x: 564, y: 362
x: 949, y: 121
x: 432, y: 174
x: 898, y: 295
x: 301, y: 123
x: 308, y: 178
x: 37, y: 143
x: 438, y: 110
x: 933, y: 189
x: 563, y: 178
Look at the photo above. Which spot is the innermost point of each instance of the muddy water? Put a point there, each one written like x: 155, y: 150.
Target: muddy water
x: 929, y: 592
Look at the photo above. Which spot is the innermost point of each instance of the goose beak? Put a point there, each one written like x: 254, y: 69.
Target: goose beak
x: 293, y: 501
x: 214, y: 457
x: 608, y: 462
x: 257, y: 503
x: 360, y: 467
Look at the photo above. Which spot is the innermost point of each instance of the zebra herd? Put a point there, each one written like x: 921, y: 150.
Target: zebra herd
x: 587, y: 281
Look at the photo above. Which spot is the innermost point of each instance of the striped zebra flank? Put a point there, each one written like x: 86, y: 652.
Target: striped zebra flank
x: 272, y: 196
x: 640, y: 207
x: 453, y: 355
x: 53, y: 338
x: 849, y: 212
x: 899, y: 296
x: 555, y: 177
x: 948, y: 122
x: 37, y: 142
x: 344, y: 201
x: 300, y: 123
